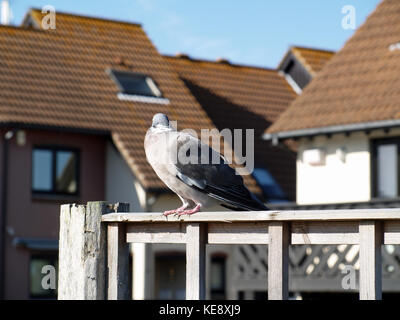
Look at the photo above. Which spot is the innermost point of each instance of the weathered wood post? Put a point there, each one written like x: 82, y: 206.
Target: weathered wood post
x: 278, y: 261
x: 82, y: 250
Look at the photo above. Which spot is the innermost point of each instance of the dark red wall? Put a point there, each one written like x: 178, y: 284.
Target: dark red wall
x: 30, y: 216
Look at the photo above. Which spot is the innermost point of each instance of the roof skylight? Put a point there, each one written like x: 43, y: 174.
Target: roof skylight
x: 137, y: 87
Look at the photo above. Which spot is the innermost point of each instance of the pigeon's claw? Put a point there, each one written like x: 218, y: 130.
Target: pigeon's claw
x: 175, y: 211
x: 167, y: 213
x: 190, y: 211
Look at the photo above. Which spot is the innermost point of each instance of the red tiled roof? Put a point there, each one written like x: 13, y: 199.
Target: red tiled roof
x: 312, y: 59
x: 359, y: 84
x: 58, y: 78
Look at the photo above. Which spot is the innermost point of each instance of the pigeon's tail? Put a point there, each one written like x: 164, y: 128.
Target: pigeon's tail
x: 239, y: 201
x: 255, y: 205
x: 237, y: 208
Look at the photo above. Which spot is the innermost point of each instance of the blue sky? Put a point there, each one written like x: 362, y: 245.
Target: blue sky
x: 253, y: 32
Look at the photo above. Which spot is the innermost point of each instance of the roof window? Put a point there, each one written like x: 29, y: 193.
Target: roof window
x: 137, y: 87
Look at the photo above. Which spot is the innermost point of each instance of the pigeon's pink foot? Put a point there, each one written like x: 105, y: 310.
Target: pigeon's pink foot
x: 167, y: 213
x: 180, y: 209
x: 190, y: 211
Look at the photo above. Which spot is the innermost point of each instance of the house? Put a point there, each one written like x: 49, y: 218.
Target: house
x: 345, y: 121
x: 75, y: 103
x: 347, y: 126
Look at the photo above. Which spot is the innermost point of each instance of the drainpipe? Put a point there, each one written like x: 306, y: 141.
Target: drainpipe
x: 4, y: 173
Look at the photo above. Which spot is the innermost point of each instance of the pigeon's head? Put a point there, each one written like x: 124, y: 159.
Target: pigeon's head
x: 160, y: 120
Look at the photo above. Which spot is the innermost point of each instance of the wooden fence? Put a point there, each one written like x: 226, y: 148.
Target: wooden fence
x: 93, y: 253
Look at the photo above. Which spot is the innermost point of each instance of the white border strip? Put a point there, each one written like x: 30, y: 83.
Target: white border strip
x: 137, y: 98
x: 291, y: 82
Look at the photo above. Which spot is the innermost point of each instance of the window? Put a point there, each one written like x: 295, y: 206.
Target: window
x: 170, y: 276
x: 385, y: 166
x: 135, y: 83
x: 289, y: 67
x: 42, y: 276
x: 297, y: 73
x: 137, y: 87
x: 218, y: 278
x: 271, y: 189
x: 54, y: 170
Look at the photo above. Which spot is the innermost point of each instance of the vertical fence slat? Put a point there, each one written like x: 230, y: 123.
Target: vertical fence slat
x: 82, y: 252
x: 370, y: 260
x: 118, y: 262
x: 196, y: 238
x: 278, y: 259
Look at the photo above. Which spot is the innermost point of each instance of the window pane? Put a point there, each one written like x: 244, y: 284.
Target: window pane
x: 170, y: 277
x: 218, y: 278
x: 66, y: 171
x: 387, y: 170
x: 42, y: 170
x: 217, y: 275
x: 138, y: 84
x: 36, y: 277
x: 270, y: 187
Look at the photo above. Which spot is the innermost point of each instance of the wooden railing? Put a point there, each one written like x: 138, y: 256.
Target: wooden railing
x: 96, y: 234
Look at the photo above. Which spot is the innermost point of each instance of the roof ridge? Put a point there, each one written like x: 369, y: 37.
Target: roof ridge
x: 199, y: 60
x: 23, y: 28
x: 9, y: 26
x: 313, y: 49
x: 90, y: 17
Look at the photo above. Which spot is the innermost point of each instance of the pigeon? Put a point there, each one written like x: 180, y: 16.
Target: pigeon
x: 198, y: 180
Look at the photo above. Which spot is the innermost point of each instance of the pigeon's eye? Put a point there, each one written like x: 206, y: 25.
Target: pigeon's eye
x: 188, y: 153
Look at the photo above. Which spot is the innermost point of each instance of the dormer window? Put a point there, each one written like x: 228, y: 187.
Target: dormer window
x: 137, y: 87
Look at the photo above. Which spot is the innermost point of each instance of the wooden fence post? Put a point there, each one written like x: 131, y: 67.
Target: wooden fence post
x: 371, y: 239
x: 196, y: 238
x: 278, y: 261
x: 82, y: 251
x: 119, y: 284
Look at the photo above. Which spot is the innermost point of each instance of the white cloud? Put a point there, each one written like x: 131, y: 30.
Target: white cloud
x: 174, y: 28
x: 146, y: 5
x: 201, y: 45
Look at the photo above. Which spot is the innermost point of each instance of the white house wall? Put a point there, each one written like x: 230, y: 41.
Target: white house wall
x: 336, y: 180
x: 120, y: 182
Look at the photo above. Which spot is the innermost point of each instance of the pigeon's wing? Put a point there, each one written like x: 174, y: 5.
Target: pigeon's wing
x: 204, y: 169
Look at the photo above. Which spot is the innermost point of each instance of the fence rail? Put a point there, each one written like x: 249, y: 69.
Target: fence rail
x: 93, y: 234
